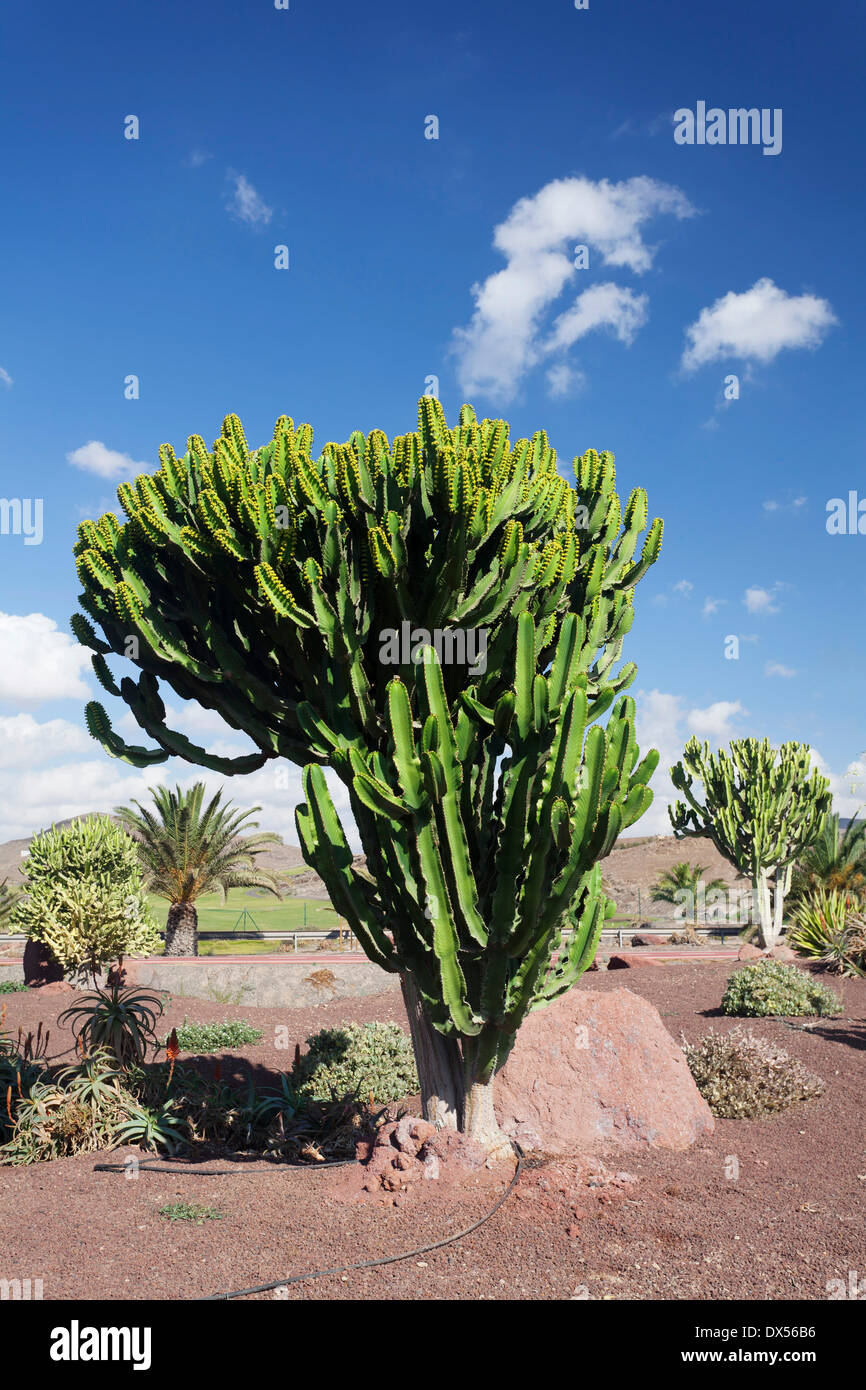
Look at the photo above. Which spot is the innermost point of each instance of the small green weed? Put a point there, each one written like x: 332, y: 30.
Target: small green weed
x: 190, y: 1211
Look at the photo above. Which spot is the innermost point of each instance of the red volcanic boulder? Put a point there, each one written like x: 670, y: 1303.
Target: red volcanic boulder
x: 783, y: 952
x: 623, y: 960
x: 749, y: 952
x: 598, y: 1070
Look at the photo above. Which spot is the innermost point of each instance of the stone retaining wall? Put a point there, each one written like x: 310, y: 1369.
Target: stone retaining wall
x: 294, y: 983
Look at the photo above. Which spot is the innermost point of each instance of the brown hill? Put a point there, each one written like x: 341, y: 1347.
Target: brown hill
x: 280, y: 858
x: 630, y: 870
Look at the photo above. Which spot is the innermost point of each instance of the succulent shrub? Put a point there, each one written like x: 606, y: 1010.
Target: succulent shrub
x: 770, y: 988
x: 827, y: 929
x: 762, y: 807
x: 276, y: 587
x: 8, y: 899
x: 84, y: 896
x: 741, y: 1075
x: 117, y: 1019
x: 75, y: 1111
x: 357, y: 1060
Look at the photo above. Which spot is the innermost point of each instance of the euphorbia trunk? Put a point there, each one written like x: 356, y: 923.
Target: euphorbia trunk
x: 769, y: 888
x: 452, y: 1094
x: 181, y: 930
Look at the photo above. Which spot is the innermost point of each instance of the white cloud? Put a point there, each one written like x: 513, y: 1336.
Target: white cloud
x: 772, y: 504
x: 246, y: 204
x: 78, y: 786
x: 775, y: 668
x: 503, y: 340
x: 48, y: 795
x: 601, y: 306
x: 712, y: 605
x: 5, y: 377
x: 756, y: 325
x: 24, y: 742
x: 38, y: 662
x: 95, y: 457
x: 759, y: 600
x: 682, y: 586
x: 664, y: 723
x: 563, y: 380
x: 714, y: 722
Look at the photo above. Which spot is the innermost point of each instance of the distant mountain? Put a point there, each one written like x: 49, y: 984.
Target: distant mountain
x: 629, y: 871
x: 278, y: 859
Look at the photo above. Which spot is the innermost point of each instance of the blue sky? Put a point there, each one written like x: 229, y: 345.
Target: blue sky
x: 451, y: 257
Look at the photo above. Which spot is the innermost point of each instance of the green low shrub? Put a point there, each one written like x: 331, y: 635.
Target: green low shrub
x: 13, y: 987
x: 211, y: 1037
x: 742, y: 1076
x: 770, y: 988
x: 357, y: 1060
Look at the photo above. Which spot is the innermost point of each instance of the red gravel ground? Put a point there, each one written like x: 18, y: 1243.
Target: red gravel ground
x: 788, y: 1222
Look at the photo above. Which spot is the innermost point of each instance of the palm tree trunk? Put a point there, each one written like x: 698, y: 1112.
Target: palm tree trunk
x: 181, y: 930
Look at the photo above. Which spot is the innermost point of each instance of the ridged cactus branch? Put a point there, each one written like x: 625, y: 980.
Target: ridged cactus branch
x: 762, y: 808
x: 315, y: 603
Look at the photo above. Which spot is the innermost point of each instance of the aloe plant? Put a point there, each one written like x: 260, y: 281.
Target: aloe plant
x: 117, y: 1019
x: 266, y: 583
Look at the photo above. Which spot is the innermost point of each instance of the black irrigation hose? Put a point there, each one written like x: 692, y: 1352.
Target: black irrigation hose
x: 386, y: 1259
x: 318, y: 1273
x: 213, y: 1172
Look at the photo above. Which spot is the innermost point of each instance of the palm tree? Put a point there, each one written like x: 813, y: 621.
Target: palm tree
x: 836, y: 860
x: 186, y: 851
x: 674, y: 883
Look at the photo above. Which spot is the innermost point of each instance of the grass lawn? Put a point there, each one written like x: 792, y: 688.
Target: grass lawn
x: 264, y: 912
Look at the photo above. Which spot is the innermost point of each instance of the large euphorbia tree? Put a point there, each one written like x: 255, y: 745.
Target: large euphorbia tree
x: 318, y: 604
x: 762, y: 807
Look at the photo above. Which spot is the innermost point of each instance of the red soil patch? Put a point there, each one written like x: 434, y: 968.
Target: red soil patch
x: 675, y: 1226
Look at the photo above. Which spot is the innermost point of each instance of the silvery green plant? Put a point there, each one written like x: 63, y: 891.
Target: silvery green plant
x: 357, y: 1060
x: 84, y: 896
x: 259, y: 582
